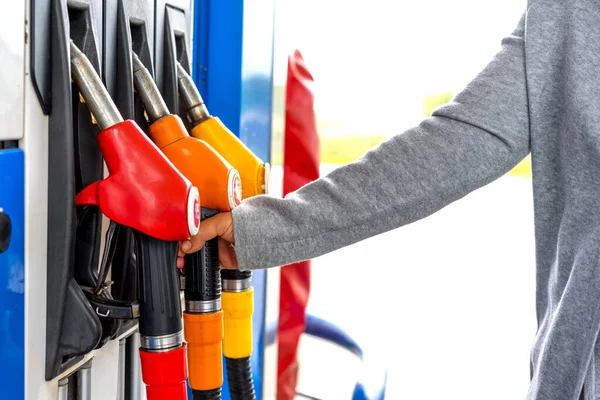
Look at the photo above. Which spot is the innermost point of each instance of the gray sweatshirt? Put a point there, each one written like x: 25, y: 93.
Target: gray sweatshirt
x: 540, y: 94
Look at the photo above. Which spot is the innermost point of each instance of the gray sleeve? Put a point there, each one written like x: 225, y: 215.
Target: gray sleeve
x: 476, y: 138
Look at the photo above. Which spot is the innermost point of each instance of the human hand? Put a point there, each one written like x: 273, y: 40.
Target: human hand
x: 221, y: 226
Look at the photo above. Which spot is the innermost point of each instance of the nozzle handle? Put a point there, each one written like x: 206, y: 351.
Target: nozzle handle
x: 202, y: 278
x: 160, y: 305
x: 92, y: 90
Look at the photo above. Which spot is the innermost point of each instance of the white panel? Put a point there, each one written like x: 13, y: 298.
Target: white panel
x: 35, y: 147
x: 12, y: 54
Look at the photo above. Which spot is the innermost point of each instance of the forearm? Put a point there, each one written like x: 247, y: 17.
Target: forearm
x: 480, y: 136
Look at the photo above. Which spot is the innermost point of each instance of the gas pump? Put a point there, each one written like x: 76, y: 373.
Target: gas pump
x: 92, y: 207
x: 238, y: 294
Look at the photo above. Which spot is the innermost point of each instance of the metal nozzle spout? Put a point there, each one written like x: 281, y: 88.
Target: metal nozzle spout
x: 190, y: 95
x: 92, y: 90
x: 148, y: 91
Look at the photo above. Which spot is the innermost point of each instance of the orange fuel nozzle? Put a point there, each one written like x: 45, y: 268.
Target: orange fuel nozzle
x: 254, y: 172
x: 217, y: 180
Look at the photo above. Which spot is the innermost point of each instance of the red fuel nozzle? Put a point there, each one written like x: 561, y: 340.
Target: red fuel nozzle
x: 144, y: 191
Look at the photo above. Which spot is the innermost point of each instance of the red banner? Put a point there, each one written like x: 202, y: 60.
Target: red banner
x: 301, y: 166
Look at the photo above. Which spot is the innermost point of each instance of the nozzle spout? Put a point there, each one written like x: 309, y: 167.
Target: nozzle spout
x: 190, y: 95
x: 92, y: 90
x: 145, y: 87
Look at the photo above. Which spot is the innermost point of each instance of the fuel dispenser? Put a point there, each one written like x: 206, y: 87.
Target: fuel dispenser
x: 96, y: 191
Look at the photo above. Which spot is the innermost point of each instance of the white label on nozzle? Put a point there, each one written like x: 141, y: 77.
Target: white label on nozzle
x: 193, y: 211
x: 234, y: 189
x: 267, y: 178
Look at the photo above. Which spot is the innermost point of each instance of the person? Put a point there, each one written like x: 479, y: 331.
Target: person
x: 539, y: 95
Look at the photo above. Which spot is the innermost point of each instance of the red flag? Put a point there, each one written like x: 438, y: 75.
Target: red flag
x: 301, y: 166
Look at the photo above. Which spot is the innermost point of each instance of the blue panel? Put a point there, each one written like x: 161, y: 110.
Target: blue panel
x: 233, y: 68
x: 200, y: 46
x: 12, y: 282
x: 218, y: 57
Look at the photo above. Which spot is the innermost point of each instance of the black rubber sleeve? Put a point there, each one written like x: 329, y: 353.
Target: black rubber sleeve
x: 239, y: 375
x: 214, y: 394
x: 158, y: 282
x: 202, y: 279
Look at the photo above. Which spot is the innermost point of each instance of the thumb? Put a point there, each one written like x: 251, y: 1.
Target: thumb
x: 210, y: 228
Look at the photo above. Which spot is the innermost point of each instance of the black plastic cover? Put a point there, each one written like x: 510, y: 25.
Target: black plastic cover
x: 72, y: 327
x: 175, y: 48
x: 127, y: 24
x: 88, y: 158
x: 41, y: 15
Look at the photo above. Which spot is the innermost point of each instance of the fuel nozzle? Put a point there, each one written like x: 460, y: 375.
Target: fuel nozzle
x: 221, y: 189
x: 145, y: 192
x: 253, y: 171
x: 139, y: 173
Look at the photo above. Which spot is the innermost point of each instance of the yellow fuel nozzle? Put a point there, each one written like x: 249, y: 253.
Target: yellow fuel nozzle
x: 253, y: 171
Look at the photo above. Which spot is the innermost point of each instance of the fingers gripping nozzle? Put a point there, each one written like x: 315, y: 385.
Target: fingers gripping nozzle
x: 144, y: 190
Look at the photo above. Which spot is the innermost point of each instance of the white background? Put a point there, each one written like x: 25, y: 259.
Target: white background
x: 448, y: 302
